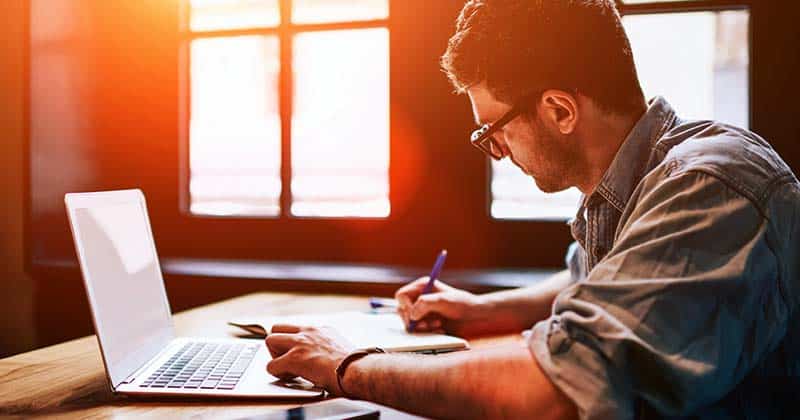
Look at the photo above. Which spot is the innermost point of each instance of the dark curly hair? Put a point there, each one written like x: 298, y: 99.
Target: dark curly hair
x: 520, y: 47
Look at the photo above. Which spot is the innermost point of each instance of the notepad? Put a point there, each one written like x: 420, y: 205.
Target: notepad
x: 362, y: 329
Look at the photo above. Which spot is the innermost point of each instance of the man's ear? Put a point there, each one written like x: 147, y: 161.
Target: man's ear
x: 559, y: 109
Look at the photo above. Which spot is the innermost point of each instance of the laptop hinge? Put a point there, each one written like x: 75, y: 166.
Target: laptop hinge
x: 132, y: 377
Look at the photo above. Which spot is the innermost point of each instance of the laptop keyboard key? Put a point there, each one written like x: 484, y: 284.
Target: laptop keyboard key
x: 209, y: 384
x: 203, y: 365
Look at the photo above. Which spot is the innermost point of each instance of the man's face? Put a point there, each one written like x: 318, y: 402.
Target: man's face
x: 532, y: 145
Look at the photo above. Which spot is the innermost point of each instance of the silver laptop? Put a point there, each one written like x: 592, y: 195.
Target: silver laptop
x: 132, y: 316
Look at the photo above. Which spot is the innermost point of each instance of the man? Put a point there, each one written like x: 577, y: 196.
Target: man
x: 682, y: 288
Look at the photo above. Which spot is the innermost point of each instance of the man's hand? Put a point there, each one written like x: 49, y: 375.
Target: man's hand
x: 446, y: 309
x: 308, y: 352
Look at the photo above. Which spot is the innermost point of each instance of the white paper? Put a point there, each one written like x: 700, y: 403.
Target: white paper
x: 363, y: 330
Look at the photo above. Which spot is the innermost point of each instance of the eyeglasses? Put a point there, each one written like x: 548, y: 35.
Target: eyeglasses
x: 483, y: 138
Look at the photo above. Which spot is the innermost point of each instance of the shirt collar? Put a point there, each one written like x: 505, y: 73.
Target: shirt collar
x: 630, y: 162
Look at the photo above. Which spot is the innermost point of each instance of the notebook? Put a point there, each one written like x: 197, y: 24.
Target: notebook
x: 362, y: 329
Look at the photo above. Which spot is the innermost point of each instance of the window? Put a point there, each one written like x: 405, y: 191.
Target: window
x: 702, y: 69
x: 697, y: 59
x: 288, y: 110
x: 516, y: 196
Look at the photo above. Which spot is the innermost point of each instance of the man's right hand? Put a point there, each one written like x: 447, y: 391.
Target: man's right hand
x: 444, y: 310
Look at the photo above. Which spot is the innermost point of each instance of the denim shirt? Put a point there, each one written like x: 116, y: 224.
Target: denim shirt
x: 686, y: 271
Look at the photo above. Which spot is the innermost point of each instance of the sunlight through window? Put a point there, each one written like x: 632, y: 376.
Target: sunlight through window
x: 339, y: 115
x: 319, y: 11
x: 235, y: 127
x: 340, y: 159
x: 707, y: 77
x: 209, y: 15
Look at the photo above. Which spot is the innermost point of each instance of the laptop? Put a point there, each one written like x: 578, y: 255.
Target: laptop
x: 132, y: 317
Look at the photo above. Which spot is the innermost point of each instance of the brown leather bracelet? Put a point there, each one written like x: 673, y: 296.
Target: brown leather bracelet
x: 350, y: 358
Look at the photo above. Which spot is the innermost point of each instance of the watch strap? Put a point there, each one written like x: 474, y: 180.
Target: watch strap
x: 350, y: 358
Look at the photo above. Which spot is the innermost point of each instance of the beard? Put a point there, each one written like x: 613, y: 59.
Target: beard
x: 559, y: 158
x: 549, y: 186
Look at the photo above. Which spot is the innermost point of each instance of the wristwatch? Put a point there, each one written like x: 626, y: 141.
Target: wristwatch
x: 350, y: 358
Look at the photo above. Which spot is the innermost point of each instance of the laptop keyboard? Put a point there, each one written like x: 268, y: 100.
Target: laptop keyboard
x: 203, y: 366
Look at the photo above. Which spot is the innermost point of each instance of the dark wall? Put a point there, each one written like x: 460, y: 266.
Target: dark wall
x: 774, y: 79
x: 16, y: 287
x: 103, y: 100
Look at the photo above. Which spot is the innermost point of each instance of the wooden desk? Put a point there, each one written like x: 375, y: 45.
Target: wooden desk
x: 67, y: 380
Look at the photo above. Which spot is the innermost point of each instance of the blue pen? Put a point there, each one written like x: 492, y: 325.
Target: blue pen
x: 437, y: 268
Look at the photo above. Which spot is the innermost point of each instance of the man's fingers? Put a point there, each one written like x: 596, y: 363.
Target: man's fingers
x: 430, y: 323
x: 279, y: 343
x: 283, y: 367
x: 407, y: 294
x: 402, y: 298
x: 435, y: 323
x: 424, y: 306
x: 403, y: 312
x: 433, y: 303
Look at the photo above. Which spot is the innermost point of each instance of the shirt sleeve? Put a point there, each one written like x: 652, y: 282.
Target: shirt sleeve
x: 678, y: 312
x: 576, y: 262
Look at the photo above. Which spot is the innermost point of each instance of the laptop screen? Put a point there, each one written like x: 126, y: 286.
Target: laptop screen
x: 123, y: 279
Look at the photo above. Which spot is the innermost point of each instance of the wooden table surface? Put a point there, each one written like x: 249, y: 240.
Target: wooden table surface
x: 67, y: 380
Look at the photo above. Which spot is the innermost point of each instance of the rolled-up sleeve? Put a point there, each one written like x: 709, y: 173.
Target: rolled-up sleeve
x: 678, y: 312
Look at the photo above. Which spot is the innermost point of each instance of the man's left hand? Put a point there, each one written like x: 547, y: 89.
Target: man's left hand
x: 308, y: 352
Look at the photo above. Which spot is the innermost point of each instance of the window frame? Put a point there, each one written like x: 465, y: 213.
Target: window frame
x: 689, y: 6
x: 679, y: 6
x: 285, y: 32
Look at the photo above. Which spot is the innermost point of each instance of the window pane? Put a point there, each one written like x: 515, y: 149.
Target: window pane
x: 235, y: 127
x: 698, y: 61
x: 209, y: 15
x: 320, y: 11
x: 515, y: 196
x: 340, y: 127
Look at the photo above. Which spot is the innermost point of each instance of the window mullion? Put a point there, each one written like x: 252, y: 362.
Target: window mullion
x: 286, y: 87
x: 681, y: 6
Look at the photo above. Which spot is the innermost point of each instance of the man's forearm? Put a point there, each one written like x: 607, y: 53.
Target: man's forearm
x: 518, y: 309
x: 487, y: 383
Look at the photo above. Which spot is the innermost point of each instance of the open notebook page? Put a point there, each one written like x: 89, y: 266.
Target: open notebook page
x: 385, y: 330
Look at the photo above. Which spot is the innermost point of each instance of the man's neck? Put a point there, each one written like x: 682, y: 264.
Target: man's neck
x: 604, y: 136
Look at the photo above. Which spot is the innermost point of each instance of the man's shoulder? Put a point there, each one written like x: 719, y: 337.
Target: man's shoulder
x: 738, y: 157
